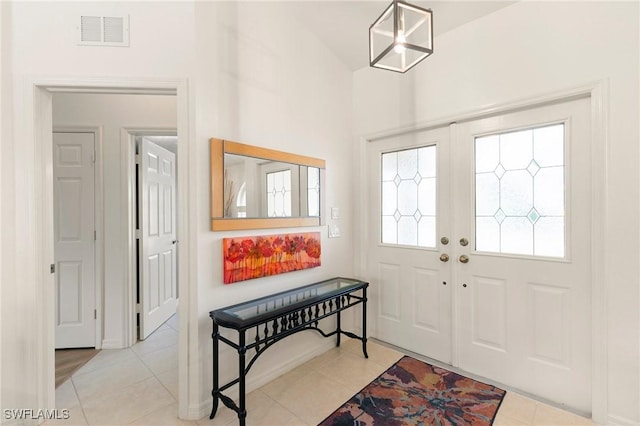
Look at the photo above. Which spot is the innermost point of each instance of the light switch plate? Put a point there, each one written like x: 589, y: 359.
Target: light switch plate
x: 335, y: 213
x: 334, y: 231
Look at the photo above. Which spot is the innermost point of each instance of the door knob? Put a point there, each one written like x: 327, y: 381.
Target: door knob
x: 444, y: 241
x: 464, y: 259
x: 444, y: 257
x: 464, y: 242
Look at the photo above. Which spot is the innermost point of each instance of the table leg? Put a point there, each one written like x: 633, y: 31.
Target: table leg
x: 242, y: 350
x: 338, y: 329
x: 214, y: 392
x: 364, y: 322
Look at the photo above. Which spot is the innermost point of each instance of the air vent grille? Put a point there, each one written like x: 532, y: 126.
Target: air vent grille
x: 90, y: 28
x: 104, y: 30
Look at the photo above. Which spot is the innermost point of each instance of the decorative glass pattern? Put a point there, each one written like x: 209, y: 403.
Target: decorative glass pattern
x: 409, y: 197
x: 279, y: 194
x: 520, y: 192
x: 313, y: 191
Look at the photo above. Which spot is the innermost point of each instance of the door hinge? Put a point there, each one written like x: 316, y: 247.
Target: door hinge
x: 138, y: 159
x: 137, y: 308
x: 95, y: 314
x: 138, y: 234
x: 95, y: 235
x: 52, y: 268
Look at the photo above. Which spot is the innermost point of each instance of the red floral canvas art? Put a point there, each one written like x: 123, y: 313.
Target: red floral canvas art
x: 254, y: 257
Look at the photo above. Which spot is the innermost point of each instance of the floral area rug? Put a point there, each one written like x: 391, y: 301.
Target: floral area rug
x: 412, y: 392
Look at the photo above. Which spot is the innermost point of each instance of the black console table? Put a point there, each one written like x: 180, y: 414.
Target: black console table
x: 277, y: 316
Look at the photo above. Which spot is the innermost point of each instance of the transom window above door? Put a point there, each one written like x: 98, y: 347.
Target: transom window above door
x: 409, y: 197
x: 520, y: 192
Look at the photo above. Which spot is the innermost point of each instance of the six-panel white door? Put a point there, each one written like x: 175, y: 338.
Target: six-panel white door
x: 158, y: 244
x: 517, y: 213
x: 74, y: 244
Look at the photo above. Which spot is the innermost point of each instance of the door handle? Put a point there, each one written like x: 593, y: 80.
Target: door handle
x: 444, y: 257
x: 464, y: 259
x: 174, y: 242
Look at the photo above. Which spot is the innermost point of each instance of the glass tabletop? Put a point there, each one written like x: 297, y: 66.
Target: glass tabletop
x: 256, y: 309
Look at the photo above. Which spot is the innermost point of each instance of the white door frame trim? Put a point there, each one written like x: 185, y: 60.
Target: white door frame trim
x: 598, y: 93
x: 127, y: 158
x: 39, y: 193
x: 98, y: 218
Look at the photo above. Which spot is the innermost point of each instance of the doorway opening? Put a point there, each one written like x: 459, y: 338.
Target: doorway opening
x: 41, y: 125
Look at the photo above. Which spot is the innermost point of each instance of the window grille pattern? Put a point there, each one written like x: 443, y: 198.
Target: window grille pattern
x: 409, y: 197
x: 279, y: 194
x: 313, y: 191
x: 520, y: 192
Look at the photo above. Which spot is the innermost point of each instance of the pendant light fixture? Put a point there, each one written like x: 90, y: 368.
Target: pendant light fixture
x: 401, y: 37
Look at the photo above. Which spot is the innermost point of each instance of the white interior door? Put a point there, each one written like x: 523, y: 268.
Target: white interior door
x: 74, y: 245
x: 158, y: 243
x: 524, y: 188
x: 409, y: 205
x: 517, y: 213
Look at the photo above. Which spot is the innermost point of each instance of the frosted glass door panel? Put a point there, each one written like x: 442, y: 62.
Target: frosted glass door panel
x: 409, y: 197
x: 520, y: 192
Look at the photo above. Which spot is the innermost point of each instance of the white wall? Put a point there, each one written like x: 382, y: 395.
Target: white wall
x: 250, y: 79
x: 112, y: 113
x: 523, y: 51
x: 40, y: 40
x: 275, y: 86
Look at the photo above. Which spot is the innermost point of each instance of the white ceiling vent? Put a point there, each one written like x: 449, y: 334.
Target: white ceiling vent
x: 104, y: 30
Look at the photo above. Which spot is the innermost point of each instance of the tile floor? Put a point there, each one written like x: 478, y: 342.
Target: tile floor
x: 139, y: 386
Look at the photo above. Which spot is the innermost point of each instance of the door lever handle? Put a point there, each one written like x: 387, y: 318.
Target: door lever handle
x: 174, y: 241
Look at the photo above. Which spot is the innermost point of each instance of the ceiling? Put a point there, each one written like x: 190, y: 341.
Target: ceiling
x: 343, y: 26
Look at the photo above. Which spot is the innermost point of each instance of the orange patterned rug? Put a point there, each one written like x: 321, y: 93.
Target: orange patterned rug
x: 412, y: 392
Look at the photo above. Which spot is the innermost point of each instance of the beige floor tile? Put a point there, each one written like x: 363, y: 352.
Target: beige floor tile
x: 275, y: 388
x: 264, y: 411
x: 76, y: 418
x: 162, y: 360
x: 165, y: 416
x: 324, y: 358
x: 314, y: 398
x: 127, y: 404
x: 106, y: 358
x: 517, y: 408
x: 159, y: 340
x: 352, y: 371
x: 173, y: 322
x: 106, y: 380
x: 224, y: 416
x: 550, y: 416
x: 169, y: 380
x: 501, y: 420
x: 66, y: 395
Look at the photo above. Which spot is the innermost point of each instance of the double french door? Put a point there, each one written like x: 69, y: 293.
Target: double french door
x: 479, y: 247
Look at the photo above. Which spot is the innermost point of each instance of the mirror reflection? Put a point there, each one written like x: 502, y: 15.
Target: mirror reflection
x: 261, y: 188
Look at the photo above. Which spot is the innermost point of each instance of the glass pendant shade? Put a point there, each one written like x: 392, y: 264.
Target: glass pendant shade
x: 401, y: 37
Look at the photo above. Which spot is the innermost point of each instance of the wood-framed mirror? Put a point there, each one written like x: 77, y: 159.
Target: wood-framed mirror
x: 260, y: 188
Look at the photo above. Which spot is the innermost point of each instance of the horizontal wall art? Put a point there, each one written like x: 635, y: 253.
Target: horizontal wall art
x: 254, y: 257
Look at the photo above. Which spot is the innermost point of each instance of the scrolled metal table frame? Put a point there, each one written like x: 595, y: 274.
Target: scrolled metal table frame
x: 277, y: 324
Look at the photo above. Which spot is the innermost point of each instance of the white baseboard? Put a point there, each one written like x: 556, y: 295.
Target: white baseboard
x: 112, y: 344
x: 198, y: 411
x: 254, y: 381
x: 621, y: 421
